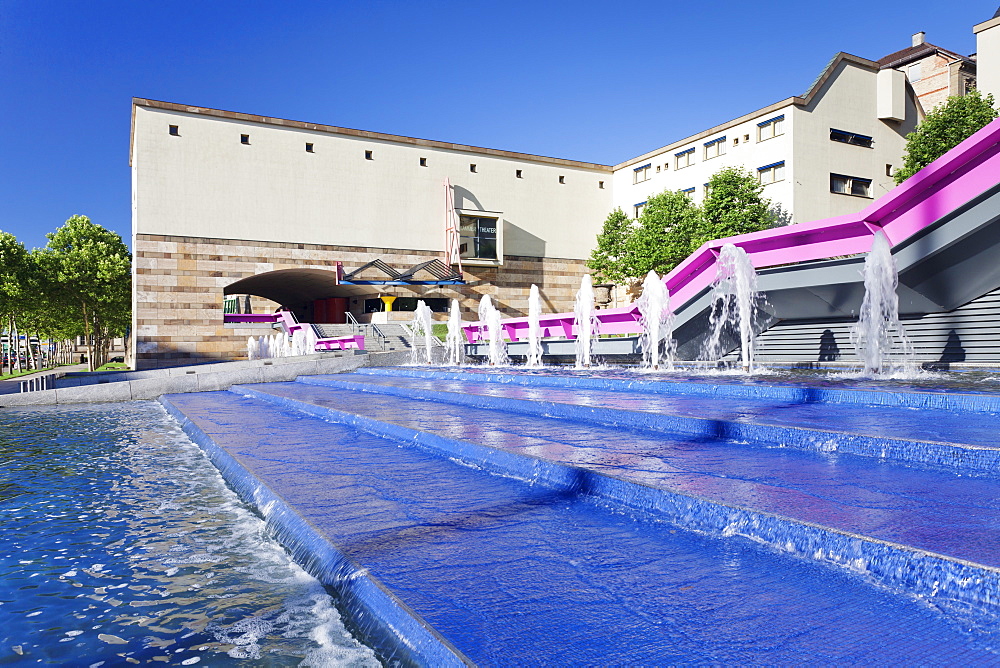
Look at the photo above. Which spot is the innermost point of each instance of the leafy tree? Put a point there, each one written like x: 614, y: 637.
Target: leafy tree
x: 667, y: 226
x: 733, y: 206
x: 943, y: 129
x: 606, y: 260
x: 88, y: 277
x: 13, y: 261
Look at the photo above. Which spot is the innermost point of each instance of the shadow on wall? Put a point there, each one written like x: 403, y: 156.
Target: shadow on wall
x: 953, y: 350
x: 829, y: 351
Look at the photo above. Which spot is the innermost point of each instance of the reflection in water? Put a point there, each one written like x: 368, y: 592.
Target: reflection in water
x: 122, y: 544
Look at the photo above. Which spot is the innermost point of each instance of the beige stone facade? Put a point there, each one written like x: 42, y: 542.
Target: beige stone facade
x: 179, y: 285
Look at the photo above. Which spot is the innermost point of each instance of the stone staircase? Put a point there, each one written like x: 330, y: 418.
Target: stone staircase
x: 395, y: 336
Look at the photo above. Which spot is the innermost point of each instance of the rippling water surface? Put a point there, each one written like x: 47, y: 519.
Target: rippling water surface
x: 120, y: 544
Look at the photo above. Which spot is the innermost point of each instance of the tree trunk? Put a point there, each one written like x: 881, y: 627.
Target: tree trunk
x: 87, y: 339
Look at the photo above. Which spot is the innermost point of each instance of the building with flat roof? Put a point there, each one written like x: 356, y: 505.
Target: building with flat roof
x: 327, y: 220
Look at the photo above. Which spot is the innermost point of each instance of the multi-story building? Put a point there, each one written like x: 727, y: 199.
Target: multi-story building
x: 230, y: 203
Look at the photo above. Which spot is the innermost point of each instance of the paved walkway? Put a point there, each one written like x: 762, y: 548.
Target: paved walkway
x: 13, y: 385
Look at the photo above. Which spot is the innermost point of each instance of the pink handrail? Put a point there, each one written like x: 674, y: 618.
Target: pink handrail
x: 959, y: 176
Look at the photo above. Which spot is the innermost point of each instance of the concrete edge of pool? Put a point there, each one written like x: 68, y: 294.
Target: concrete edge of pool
x: 940, y: 580
x: 381, y: 618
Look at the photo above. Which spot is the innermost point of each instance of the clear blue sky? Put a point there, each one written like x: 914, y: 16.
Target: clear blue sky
x: 595, y: 81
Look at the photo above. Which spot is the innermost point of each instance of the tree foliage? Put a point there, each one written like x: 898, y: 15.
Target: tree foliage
x: 943, y: 129
x: 671, y: 227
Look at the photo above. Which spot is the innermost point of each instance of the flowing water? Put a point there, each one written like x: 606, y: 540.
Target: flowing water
x: 123, y: 545
x: 421, y: 326
x: 490, y: 317
x: 534, y: 357
x: 879, y: 336
x: 584, y: 322
x: 455, y: 338
x: 656, y: 319
x: 735, y: 301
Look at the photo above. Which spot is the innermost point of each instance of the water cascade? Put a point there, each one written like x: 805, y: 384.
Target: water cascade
x: 422, y: 325
x: 878, y: 325
x: 253, y: 352
x: 453, y: 341
x: 734, y: 306
x: 584, y: 322
x: 534, y: 358
x: 490, y: 317
x: 657, y: 322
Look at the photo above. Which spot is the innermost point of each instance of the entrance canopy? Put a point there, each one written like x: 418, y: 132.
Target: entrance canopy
x: 295, y: 286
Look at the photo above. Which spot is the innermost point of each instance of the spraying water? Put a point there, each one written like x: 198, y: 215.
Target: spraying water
x: 878, y: 325
x: 489, y: 316
x: 734, y: 306
x: 534, y: 329
x: 584, y: 322
x: 453, y: 341
x: 657, y: 322
x: 422, y: 325
x: 252, y: 350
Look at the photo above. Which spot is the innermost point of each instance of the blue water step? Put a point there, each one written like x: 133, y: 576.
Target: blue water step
x: 509, y: 573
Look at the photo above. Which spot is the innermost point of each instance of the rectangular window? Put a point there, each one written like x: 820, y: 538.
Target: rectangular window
x: 640, y: 174
x: 706, y: 190
x: 477, y: 237
x: 771, y: 173
x: 517, y: 174
x: 771, y: 128
x: 637, y: 209
x: 562, y: 179
x: 244, y: 139
x: 850, y: 185
x: 309, y: 147
x: 472, y: 167
x: 851, y: 138
x: 688, y: 191
x: 369, y: 156
x: 600, y: 184
x: 684, y: 159
x: 715, y: 148
x: 175, y: 131
x: 423, y: 162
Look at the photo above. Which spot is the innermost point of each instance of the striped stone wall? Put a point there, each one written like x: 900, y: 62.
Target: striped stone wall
x: 178, y: 286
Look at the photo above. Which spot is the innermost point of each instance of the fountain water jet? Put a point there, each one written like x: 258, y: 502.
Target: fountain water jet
x: 878, y: 324
x: 584, y: 322
x: 453, y: 341
x: 657, y: 320
x: 534, y: 358
x: 490, y: 317
x: 421, y: 324
x: 734, y: 306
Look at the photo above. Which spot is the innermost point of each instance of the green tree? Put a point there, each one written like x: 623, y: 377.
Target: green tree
x: 734, y: 205
x: 663, y: 238
x: 606, y: 260
x: 943, y: 129
x: 13, y: 296
x: 88, y: 277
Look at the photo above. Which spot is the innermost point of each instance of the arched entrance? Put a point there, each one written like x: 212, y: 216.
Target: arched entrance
x: 313, y: 295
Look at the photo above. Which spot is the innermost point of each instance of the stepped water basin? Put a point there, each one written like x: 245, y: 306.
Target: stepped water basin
x: 528, y: 518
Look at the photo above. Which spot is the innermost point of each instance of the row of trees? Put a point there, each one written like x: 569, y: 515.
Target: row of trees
x: 671, y: 226
x: 79, y: 284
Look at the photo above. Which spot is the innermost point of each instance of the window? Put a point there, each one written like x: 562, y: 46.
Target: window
x: 472, y: 167
x: 423, y: 162
x: 637, y: 209
x: 688, y: 191
x: 244, y: 139
x: 771, y: 173
x: 715, y: 148
x: 369, y: 156
x: 850, y: 138
x: 771, y: 128
x: 684, y: 159
x: 913, y: 72
x: 657, y: 169
x: 641, y: 174
x: 517, y: 174
x: 562, y: 179
x: 850, y: 185
x: 175, y: 131
x: 706, y: 190
x: 888, y: 169
x: 736, y: 141
x: 600, y: 184
x: 309, y: 147
x: 477, y: 237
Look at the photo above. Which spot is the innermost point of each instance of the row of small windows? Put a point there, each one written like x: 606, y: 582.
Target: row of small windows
x: 370, y: 155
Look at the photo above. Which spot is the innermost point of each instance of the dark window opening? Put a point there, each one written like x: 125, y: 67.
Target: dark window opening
x: 600, y: 184
x: 368, y: 155
x: 423, y: 162
x: 851, y: 138
x: 478, y: 237
x: 309, y: 147
x: 517, y: 174
x: 175, y: 131
x: 472, y: 167
x: 562, y: 179
x: 244, y: 139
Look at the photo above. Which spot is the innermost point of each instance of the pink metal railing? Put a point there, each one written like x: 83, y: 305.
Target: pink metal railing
x: 954, y: 179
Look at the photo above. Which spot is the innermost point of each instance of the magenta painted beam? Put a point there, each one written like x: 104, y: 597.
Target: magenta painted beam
x: 263, y: 318
x: 959, y: 176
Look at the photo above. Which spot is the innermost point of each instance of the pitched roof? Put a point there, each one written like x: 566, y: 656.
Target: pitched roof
x: 911, y: 53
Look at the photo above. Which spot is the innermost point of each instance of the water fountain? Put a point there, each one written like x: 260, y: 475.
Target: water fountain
x: 656, y: 319
x: 734, y: 306
x: 534, y: 357
x: 453, y: 341
x: 491, y: 317
x: 878, y: 325
x: 584, y: 323
x: 422, y: 325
